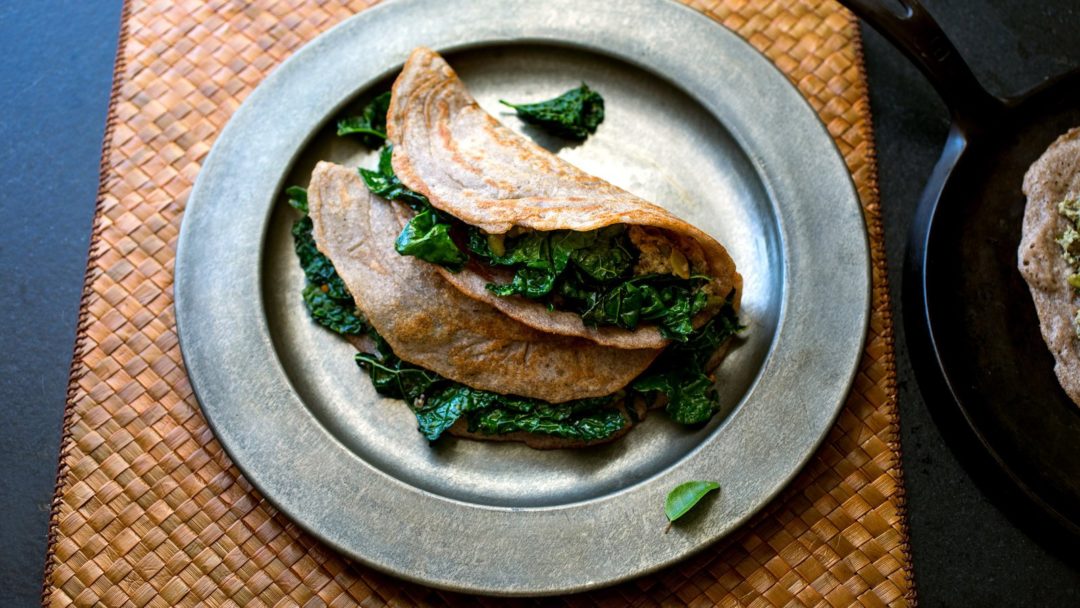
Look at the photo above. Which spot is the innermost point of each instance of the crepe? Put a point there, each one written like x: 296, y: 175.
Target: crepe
x: 469, y: 165
x: 1051, y: 179
x: 429, y: 323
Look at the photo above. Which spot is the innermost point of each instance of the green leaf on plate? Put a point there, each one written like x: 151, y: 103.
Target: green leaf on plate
x: 370, y: 124
x: 573, y: 115
x: 685, y: 496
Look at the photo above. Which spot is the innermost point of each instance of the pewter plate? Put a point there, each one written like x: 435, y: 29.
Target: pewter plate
x: 697, y: 121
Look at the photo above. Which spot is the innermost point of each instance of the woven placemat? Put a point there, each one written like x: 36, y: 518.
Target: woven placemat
x: 150, y: 511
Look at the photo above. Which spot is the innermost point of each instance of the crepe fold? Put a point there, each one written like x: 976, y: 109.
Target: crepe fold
x: 446, y: 147
x: 429, y: 323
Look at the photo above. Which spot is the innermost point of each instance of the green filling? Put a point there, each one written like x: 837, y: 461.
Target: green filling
x: 589, y: 273
x: 681, y: 371
x: 1070, y: 247
x: 370, y: 125
x: 427, y: 235
x: 436, y: 401
x: 325, y: 294
x: 573, y: 115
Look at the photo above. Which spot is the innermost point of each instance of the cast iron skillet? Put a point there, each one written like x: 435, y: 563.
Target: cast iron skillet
x: 971, y: 327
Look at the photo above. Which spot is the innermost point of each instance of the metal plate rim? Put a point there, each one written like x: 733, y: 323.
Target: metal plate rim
x: 210, y: 339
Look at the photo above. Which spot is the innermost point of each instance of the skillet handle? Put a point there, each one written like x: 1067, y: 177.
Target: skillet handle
x: 924, y: 43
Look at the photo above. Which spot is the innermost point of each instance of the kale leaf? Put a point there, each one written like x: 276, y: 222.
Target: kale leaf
x: 297, y: 198
x: 428, y: 234
x: 436, y: 402
x: 393, y: 377
x: 445, y: 406
x: 429, y: 239
x: 585, y: 419
x: 573, y: 115
x: 680, y: 371
x: 591, y: 273
x: 690, y: 393
x: 327, y: 299
x: 370, y: 125
x: 338, y: 315
x: 668, y: 300
x: 685, y: 495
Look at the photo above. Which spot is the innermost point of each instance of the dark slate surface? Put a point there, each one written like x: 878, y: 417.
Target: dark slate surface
x: 966, y: 551
x: 55, y: 73
x: 55, y: 66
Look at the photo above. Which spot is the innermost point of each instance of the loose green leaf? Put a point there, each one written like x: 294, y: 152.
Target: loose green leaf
x: 573, y: 115
x: 370, y: 125
x: 685, y: 496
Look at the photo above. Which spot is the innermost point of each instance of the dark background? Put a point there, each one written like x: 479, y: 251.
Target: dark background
x: 55, y: 74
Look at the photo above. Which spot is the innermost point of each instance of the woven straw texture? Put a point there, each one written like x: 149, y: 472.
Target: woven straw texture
x: 149, y: 511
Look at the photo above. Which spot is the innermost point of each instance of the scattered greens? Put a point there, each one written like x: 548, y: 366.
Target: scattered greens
x: 573, y: 115
x: 427, y: 235
x: 370, y: 125
x: 685, y: 496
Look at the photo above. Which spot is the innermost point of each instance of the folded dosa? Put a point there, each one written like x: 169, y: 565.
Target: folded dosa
x: 431, y: 324
x: 469, y: 165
